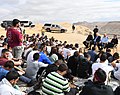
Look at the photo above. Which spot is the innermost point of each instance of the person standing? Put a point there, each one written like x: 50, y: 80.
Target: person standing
x: 95, y: 30
x: 73, y: 28
x: 15, y: 38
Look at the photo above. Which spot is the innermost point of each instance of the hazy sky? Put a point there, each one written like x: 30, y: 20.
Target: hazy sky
x: 60, y: 10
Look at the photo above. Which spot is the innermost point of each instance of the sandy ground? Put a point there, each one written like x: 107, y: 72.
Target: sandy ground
x: 78, y: 36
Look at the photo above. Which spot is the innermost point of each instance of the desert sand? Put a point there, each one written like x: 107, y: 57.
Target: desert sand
x: 78, y: 36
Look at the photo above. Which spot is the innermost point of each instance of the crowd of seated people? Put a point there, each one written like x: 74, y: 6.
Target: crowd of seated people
x: 100, y: 42
x: 62, y: 63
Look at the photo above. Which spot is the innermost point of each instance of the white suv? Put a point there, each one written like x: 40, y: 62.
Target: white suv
x: 54, y: 28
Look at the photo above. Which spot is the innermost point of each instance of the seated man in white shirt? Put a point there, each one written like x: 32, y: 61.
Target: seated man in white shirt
x: 34, y: 66
x: 102, y: 65
x: 6, y: 85
x: 104, y: 41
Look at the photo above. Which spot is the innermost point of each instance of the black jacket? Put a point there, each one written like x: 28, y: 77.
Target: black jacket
x: 98, y: 39
x: 91, y: 88
x: 89, y: 38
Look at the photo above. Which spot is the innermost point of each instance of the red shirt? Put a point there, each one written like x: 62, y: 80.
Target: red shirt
x: 14, y: 37
x: 3, y: 61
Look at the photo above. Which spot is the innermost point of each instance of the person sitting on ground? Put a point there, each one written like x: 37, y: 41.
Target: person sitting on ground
x: 72, y: 63
x: 33, y: 67
x: 84, y: 67
x: 116, y: 72
x: 97, y: 86
x: 4, y: 46
x: 5, y: 57
x: 55, y: 83
x: 53, y: 56
x: 1, y: 40
x: 115, y: 56
x: 99, y: 55
x: 43, y: 57
x: 102, y: 64
x: 8, y: 66
x: 77, y: 46
x: 108, y: 52
x: 93, y: 54
x: 66, y: 52
x: 7, y: 83
x: 53, y: 67
x: 89, y: 41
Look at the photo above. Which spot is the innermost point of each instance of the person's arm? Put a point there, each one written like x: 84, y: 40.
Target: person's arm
x: 41, y: 64
x: 20, y: 71
x: 114, y: 64
x: 66, y: 87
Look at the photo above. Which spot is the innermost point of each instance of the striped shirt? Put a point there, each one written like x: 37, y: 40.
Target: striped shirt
x: 55, y: 84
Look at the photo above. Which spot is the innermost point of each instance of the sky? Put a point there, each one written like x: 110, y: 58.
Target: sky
x: 60, y: 10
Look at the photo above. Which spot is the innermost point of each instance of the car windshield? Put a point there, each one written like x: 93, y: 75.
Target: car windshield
x: 47, y: 25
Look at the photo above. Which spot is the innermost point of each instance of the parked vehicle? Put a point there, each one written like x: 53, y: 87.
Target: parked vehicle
x: 8, y: 23
x: 54, y: 28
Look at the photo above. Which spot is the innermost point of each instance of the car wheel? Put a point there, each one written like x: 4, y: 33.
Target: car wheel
x: 62, y: 30
x: 48, y: 30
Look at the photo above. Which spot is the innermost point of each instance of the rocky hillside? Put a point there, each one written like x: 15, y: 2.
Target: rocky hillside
x: 112, y: 27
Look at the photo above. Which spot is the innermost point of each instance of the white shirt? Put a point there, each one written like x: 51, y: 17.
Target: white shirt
x: 66, y: 53
x: 10, y: 54
x: 98, y: 61
x: 104, y: 67
x: 30, y: 56
x: 117, y: 73
x: 7, y: 89
x: 26, y: 51
x: 33, y: 67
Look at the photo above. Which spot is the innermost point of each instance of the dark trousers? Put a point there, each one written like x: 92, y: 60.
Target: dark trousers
x: 73, y: 91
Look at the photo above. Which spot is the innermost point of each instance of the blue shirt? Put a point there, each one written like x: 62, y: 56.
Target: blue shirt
x: 3, y: 73
x: 43, y: 58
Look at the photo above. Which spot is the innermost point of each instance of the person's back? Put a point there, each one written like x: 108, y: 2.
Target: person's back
x: 93, y: 54
x: 84, y: 67
x: 72, y: 63
x: 97, y: 86
x: 33, y: 67
x: 9, y: 65
x: 55, y: 83
x: 96, y: 89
